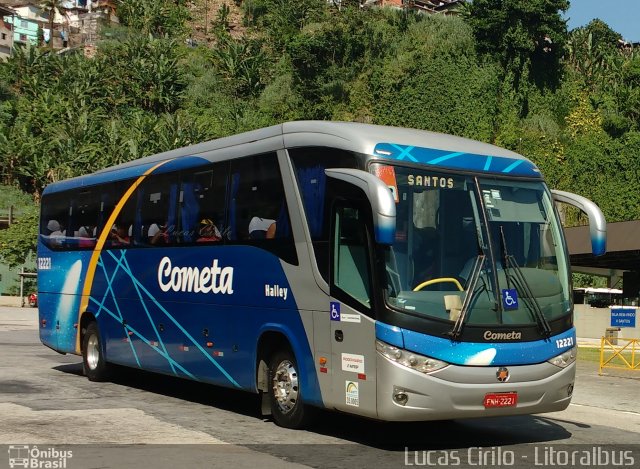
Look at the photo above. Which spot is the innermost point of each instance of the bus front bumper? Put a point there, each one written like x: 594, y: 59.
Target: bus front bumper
x: 457, y: 392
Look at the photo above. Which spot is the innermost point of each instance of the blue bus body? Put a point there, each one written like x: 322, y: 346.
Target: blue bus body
x: 216, y: 312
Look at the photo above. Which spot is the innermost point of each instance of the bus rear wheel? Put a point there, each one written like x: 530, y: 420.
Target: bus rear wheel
x: 93, y: 363
x: 287, y: 407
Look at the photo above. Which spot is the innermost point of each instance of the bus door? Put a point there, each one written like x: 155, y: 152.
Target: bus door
x: 352, y: 329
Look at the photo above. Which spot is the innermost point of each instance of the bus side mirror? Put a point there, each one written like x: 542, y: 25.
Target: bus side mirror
x: 597, y: 223
x: 383, y: 205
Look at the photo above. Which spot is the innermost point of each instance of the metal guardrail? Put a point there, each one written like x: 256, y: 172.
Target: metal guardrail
x: 625, y: 354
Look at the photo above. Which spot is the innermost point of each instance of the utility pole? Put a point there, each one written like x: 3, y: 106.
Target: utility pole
x: 22, y: 287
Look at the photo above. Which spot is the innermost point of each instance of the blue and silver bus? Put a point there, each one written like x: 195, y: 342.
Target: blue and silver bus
x: 391, y: 273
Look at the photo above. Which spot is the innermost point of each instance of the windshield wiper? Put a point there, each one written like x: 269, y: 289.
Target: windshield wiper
x: 473, y: 281
x: 521, y: 284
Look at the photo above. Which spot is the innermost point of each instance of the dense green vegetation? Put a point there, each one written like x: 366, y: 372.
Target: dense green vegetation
x: 504, y: 71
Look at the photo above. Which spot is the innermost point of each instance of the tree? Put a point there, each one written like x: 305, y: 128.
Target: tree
x: 284, y: 19
x: 522, y: 34
x: 159, y: 18
x: 436, y: 83
x: 51, y: 7
x: 592, y: 51
x: 242, y: 63
x: 19, y: 240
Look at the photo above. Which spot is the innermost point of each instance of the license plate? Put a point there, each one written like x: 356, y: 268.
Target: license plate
x: 500, y: 399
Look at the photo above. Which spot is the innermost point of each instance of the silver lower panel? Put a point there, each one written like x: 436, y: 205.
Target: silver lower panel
x: 433, y: 398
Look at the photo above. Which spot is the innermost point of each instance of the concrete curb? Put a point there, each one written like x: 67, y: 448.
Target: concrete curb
x: 14, y: 301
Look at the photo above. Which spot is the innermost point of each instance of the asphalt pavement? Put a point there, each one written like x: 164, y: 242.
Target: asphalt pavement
x: 144, y: 419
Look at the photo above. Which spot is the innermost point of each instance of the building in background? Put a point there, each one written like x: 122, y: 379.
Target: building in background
x: 6, y: 32
x: 25, y: 30
x: 75, y: 25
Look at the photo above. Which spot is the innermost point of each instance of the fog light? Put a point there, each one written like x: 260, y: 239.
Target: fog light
x: 570, y: 390
x: 400, y: 397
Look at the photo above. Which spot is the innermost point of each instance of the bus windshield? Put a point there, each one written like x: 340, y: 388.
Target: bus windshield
x: 490, y: 249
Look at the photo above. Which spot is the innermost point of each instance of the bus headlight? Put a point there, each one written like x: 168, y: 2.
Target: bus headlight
x: 565, y: 358
x: 412, y: 360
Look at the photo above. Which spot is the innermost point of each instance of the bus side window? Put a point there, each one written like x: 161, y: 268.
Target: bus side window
x: 54, y: 220
x: 201, y: 205
x: 154, y: 222
x: 84, y: 218
x: 258, y: 213
x: 351, y: 271
x: 317, y: 192
x: 120, y: 232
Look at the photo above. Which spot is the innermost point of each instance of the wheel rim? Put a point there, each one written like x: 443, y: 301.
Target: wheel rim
x: 93, y: 352
x: 285, y: 386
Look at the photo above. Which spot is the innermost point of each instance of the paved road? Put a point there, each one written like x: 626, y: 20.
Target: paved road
x: 144, y: 419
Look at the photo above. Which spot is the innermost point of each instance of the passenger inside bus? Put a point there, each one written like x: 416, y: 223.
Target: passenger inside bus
x: 261, y: 228
x: 55, y: 228
x: 158, y: 233
x: 88, y: 231
x: 87, y: 236
x: 208, y: 232
x: 119, y: 235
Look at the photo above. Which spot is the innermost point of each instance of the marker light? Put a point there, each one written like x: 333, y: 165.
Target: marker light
x: 409, y: 359
x: 565, y: 358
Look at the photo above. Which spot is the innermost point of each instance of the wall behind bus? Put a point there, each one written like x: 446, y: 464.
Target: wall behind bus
x: 592, y: 323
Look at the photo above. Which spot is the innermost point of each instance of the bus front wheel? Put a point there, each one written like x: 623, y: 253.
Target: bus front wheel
x: 93, y: 363
x: 287, y: 408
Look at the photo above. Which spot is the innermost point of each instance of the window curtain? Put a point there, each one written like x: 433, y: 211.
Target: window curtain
x: 136, y: 232
x: 283, y: 228
x: 171, y: 216
x: 190, y: 212
x: 233, y: 209
x: 313, y: 182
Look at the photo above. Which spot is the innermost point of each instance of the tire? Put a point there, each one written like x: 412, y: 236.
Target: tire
x: 287, y: 406
x: 93, y: 362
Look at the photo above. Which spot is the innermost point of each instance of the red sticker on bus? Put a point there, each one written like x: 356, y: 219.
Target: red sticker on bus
x: 388, y: 176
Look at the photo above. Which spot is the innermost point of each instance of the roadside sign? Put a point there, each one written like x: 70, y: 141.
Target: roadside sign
x: 623, y: 317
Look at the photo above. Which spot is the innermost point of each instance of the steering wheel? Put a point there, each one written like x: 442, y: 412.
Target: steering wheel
x: 439, y: 280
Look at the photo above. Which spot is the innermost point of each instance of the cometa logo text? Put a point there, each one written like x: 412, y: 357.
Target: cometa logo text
x: 513, y: 335
x: 214, y: 279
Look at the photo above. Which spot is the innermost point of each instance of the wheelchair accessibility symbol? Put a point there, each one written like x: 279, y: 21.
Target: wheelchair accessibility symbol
x: 510, y: 299
x: 334, y: 308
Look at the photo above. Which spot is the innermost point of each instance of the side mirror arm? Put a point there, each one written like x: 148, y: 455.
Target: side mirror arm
x: 597, y: 222
x: 383, y: 205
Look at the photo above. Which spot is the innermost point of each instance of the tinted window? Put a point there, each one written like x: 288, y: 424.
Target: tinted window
x: 258, y: 213
x: 121, y: 230
x: 84, y: 216
x: 202, y: 205
x: 318, y: 192
x: 351, y: 273
x: 54, y: 219
x: 155, y: 222
x: 75, y: 219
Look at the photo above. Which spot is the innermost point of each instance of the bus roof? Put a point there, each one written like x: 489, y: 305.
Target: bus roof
x: 410, y: 145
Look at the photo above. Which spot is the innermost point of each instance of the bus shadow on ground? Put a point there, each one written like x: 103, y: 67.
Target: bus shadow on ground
x: 442, y: 434
x: 386, y: 436
x: 189, y: 391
